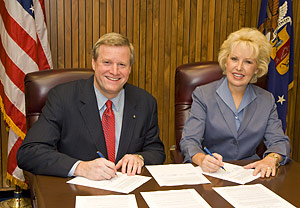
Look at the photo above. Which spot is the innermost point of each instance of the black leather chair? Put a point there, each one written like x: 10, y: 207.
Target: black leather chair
x: 187, y: 78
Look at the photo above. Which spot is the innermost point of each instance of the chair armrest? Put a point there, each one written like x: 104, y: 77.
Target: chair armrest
x: 176, y: 155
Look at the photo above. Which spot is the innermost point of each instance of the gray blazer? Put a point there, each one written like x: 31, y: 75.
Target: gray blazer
x: 70, y: 129
x: 211, y: 123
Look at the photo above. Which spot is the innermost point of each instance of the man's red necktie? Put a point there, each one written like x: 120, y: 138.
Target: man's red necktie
x: 108, y: 123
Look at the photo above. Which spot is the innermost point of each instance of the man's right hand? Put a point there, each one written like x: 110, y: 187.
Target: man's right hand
x: 98, y: 169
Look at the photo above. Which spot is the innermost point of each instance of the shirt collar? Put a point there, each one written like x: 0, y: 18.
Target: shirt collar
x: 101, y: 99
x: 225, y: 94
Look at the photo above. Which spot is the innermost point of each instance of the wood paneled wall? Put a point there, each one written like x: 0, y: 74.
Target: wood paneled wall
x: 165, y: 33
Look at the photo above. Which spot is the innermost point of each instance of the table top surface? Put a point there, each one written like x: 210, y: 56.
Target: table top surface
x: 55, y: 192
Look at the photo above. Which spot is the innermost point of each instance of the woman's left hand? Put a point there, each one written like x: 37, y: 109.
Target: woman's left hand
x: 266, y: 167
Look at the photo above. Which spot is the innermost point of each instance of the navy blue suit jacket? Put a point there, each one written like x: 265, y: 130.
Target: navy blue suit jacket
x: 70, y: 129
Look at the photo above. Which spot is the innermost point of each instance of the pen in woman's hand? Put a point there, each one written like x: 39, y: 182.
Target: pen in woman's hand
x: 206, y: 150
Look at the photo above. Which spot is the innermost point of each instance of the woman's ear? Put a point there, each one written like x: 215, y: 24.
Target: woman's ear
x: 256, y: 71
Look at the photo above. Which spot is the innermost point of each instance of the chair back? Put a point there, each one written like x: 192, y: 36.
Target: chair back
x: 37, y: 85
x: 187, y: 78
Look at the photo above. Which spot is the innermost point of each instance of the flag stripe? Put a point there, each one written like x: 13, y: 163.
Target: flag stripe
x: 43, y: 61
x: 18, y: 34
x: 15, y: 116
x: 41, y: 29
x: 16, y: 96
x: 11, y: 158
x: 12, y: 71
x: 13, y: 143
x: 16, y: 54
x: 42, y: 6
x: 23, y: 18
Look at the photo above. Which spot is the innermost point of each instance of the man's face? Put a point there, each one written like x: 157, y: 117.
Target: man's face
x: 112, y: 69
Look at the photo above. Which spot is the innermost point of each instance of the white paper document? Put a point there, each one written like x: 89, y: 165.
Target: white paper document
x: 252, y: 196
x: 121, y: 183
x: 176, y: 174
x: 233, y: 173
x: 185, y: 198
x: 108, y: 201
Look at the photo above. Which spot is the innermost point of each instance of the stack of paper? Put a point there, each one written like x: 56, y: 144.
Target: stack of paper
x: 185, y: 198
x: 109, y: 201
x: 233, y: 173
x: 254, y: 196
x: 176, y: 174
x: 121, y: 183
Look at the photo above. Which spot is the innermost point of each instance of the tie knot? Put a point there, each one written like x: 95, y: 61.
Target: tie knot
x: 109, y: 104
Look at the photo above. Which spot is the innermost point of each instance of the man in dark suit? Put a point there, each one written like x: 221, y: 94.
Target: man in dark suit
x: 70, y: 131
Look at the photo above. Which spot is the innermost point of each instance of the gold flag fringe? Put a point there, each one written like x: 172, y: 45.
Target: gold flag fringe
x: 21, y: 134
x: 10, y: 122
x: 23, y: 185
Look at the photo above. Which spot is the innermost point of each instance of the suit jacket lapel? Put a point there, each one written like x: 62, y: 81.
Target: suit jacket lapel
x: 226, y: 111
x: 227, y: 115
x: 90, y: 114
x: 248, y: 114
x: 128, y: 123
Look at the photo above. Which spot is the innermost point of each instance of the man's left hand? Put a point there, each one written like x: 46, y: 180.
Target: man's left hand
x: 131, y: 164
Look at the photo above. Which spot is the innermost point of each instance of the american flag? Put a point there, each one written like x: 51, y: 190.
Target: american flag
x: 24, y: 48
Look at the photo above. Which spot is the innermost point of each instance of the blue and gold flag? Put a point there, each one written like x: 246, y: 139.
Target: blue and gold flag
x: 276, y: 22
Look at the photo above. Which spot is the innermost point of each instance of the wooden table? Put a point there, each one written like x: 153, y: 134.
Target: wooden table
x: 49, y: 191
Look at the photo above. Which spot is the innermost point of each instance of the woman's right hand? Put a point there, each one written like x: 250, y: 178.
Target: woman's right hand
x: 208, y: 163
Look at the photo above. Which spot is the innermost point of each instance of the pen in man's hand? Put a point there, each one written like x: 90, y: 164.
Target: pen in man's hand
x: 101, y: 156
x: 206, y: 150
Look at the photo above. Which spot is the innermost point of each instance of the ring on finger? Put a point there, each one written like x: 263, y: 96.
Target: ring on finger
x: 269, y: 168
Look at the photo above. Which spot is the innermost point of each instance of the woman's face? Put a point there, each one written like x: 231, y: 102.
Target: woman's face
x: 240, y: 67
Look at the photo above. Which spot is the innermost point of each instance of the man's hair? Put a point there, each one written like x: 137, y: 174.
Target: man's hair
x: 258, y: 44
x: 113, y: 39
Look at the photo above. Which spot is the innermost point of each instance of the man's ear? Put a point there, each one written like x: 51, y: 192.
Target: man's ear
x: 93, y: 64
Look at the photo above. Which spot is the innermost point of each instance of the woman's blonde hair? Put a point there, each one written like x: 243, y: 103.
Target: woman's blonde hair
x: 258, y: 44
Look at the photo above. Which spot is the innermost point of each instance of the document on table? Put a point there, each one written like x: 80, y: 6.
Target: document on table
x: 121, y: 183
x: 108, y: 201
x: 233, y: 173
x: 252, y: 196
x: 176, y: 174
x: 185, y: 198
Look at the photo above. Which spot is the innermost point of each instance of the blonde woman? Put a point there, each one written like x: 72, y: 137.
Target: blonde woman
x: 231, y: 116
